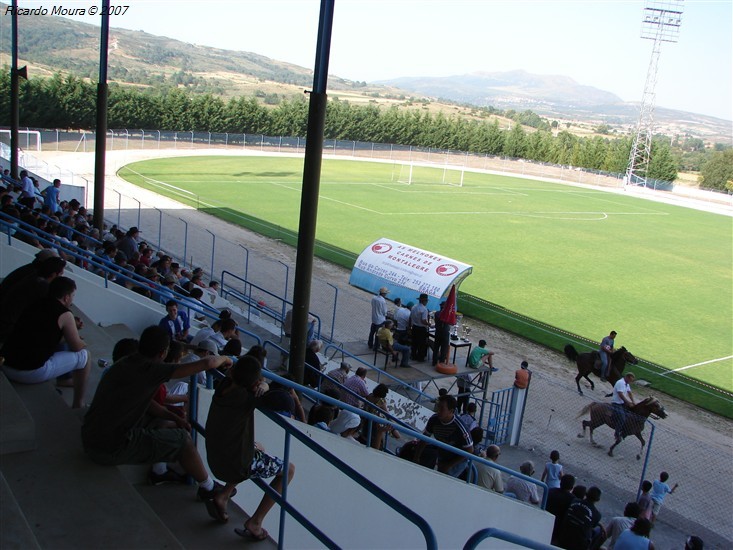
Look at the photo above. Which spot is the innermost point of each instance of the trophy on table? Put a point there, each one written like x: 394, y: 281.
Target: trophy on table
x: 466, y: 332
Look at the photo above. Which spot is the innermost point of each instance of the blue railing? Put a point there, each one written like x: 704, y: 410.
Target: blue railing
x: 245, y: 296
x: 291, y: 431
x: 492, y: 532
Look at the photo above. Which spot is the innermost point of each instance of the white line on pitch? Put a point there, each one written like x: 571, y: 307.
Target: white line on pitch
x: 698, y: 364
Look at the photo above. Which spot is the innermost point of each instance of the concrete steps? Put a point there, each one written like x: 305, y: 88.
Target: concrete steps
x: 68, y: 501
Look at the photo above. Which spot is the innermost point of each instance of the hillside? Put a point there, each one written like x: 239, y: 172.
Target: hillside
x: 53, y: 44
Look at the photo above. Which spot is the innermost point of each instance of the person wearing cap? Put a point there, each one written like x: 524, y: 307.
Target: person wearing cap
x: 346, y: 424
x: 420, y: 322
x: 379, y: 314
x: 128, y: 244
x: 176, y: 322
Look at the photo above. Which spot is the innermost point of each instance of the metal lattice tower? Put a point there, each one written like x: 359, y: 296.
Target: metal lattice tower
x: 661, y: 23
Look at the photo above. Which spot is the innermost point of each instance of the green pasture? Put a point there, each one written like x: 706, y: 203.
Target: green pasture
x: 583, y: 260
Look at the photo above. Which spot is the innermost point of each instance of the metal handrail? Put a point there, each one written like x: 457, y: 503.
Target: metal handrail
x: 291, y: 431
x: 493, y: 532
x: 270, y: 312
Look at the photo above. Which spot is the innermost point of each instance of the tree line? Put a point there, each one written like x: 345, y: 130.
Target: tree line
x: 69, y: 102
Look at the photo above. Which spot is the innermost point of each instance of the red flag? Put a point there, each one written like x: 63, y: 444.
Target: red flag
x: 448, y: 313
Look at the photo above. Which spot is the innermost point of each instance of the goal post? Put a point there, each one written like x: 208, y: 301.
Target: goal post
x: 428, y: 174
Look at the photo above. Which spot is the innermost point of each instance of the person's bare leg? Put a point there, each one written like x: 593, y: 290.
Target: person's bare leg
x: 191, y: 462
x: 221, y: 500
x: 254, y: 523
x: 79, y: 378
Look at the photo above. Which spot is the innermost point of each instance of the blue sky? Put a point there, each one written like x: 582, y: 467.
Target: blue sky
x: 595, y: 42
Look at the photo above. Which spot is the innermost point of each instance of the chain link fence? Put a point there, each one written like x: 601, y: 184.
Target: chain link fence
x: 702, y: 467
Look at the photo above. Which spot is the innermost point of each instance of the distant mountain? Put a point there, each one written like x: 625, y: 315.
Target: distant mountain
x: 557, y: 97
x: 512, y: 89
x: 52, y: 44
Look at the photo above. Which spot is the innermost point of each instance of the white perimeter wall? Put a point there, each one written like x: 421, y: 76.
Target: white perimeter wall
x: 353, y: 518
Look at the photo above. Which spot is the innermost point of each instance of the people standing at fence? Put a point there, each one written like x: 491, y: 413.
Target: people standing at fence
x: 605, y: 352
x: 558, y: 502
x: 379, y: 314
x: 636, y: 537
x: 420, y: 322
x: 488, y: 477
x: 622, y: 398
x: 446, y: 428
x: 581, y: 525
x: 645, y: 500
x: 660, y: 489
x: 553, y: 471
x: 232, y: 452
x: 619, y: 524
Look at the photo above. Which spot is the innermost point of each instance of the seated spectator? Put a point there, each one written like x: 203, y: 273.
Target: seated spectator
x: 176, y: 322
x: 26, y: 293
x: 259, y: 353
x: 481, y: 355
x: 321, y: 416
x: 227, y: 331
x: 24, y: 272
x: 339, y: 375
x: 387, y: 342
x: 333, y: 394
x: 119, y: 427
x: 207, y: 348
x: 284, y: 401
x: 378, y: 398
x: 128, y: 244
x: 356, y: 384
x: 558, y: 501
x: 233, y: 454
x: 521, y: 489
x: 233, y: 348
x: 346, y: 424
x: 310, y: 375
x: 488, y: 477
x: 619, y: 524
x: 446, y: 428
x: 32, y: 356
x: 581, y: 528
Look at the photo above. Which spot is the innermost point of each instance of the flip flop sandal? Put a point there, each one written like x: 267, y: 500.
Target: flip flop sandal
x: 215, y: 512
x: 247, y: 534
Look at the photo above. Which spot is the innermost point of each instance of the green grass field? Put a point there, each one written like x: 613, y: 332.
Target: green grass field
x: 583, y: 260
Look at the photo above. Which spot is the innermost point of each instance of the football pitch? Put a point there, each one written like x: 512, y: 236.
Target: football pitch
x: 583, y: 260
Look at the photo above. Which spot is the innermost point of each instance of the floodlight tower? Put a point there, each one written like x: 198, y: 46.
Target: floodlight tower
x: 660, y: 23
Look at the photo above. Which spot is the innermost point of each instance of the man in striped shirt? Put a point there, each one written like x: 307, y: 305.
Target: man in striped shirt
x: 446, y: 428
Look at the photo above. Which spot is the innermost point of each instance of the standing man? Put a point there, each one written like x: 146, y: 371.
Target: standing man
x: 379, y: 314
x: 28, y: 192
x: 605, y: 352
x: 51, y: 196
x: 420, y: 324
x: 622, y: 398
x: 402, y: 323
x: 441, y: 340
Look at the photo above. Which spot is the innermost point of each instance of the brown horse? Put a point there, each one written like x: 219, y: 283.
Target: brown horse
x: 591, y: 362
x: 603, y: 413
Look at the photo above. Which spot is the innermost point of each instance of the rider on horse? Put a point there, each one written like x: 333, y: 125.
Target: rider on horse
x: 622, y: 400
x: 605, y: 352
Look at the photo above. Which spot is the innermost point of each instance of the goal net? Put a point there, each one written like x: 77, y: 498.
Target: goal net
x: 420, y: 174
